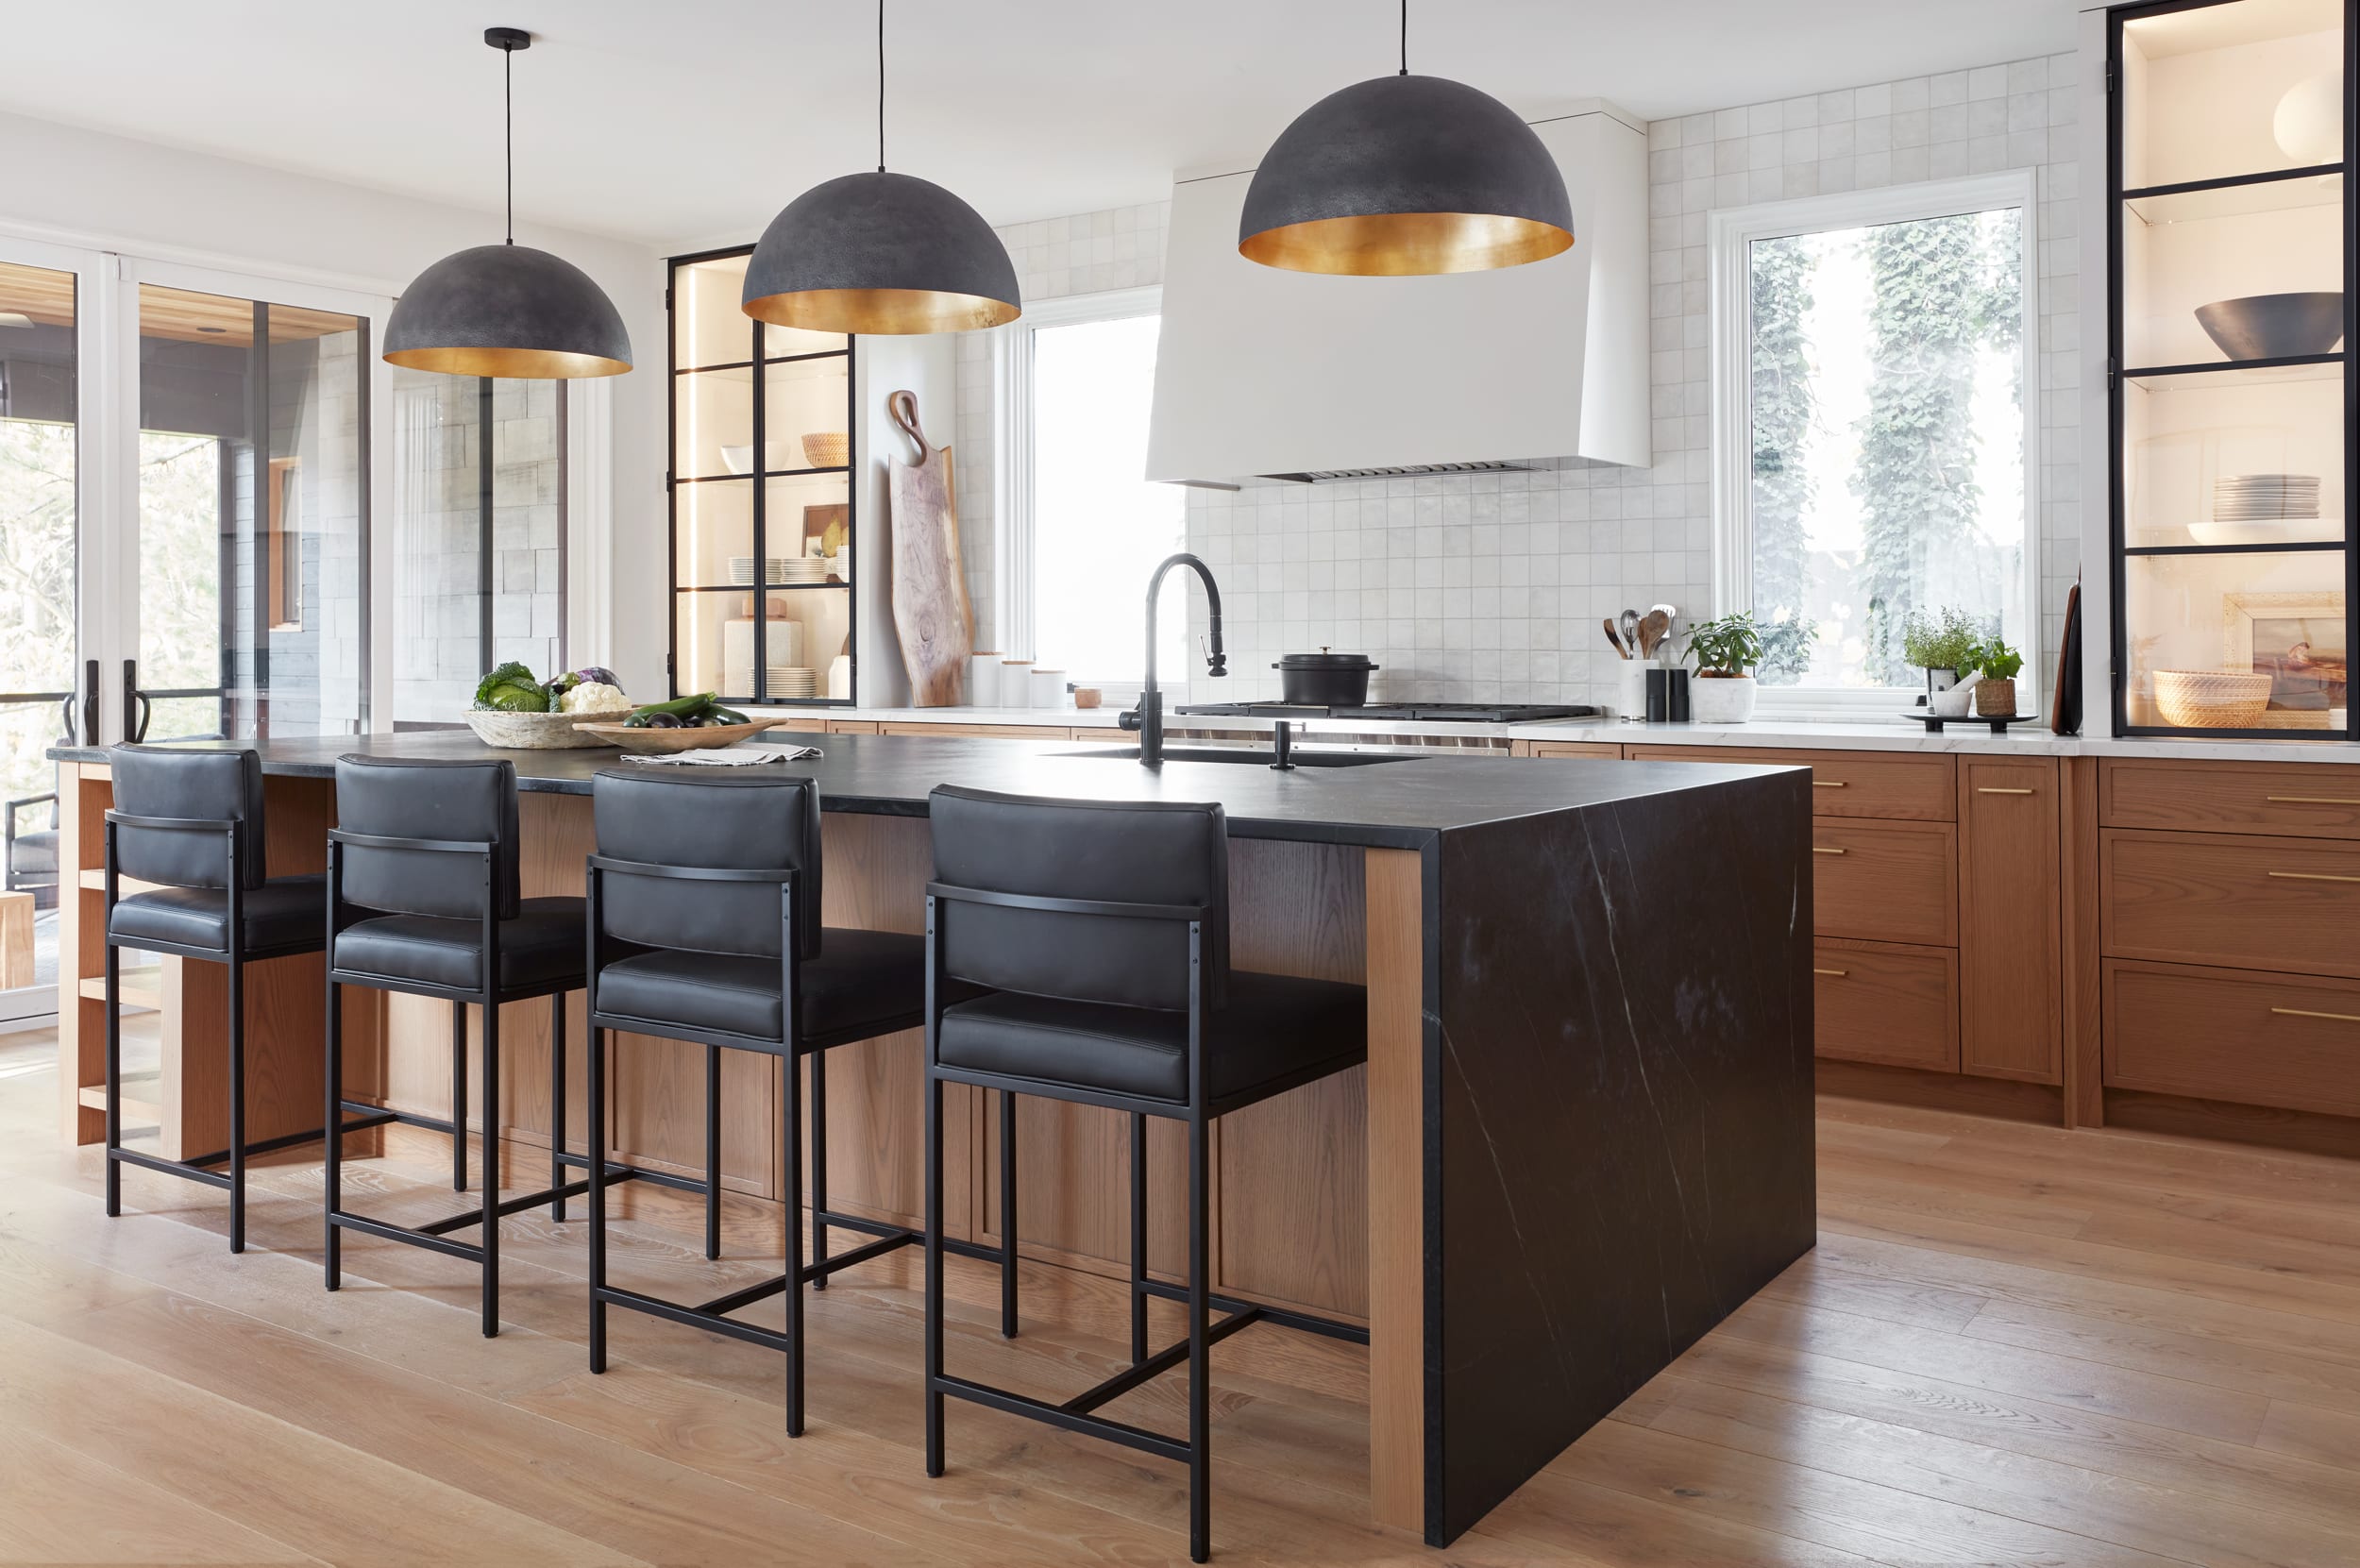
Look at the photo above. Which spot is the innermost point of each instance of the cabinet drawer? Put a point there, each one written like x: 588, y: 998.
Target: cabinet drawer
x: 982, y: 732
x: 2226, y: 899
x: 1881, y: 1003
x: 1597, y: 750
x: 1909, y: 785
x: 2308, y: 800
x: 2257, y: 1040
x: 1885, y: 882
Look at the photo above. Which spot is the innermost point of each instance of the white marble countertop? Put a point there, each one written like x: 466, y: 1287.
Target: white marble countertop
x: 1896, y: 735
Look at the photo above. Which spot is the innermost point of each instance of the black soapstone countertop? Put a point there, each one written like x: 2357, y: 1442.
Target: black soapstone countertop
x: 1393, y: 804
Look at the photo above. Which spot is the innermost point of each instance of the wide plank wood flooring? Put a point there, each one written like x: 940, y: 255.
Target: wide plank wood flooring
x: 2013, y: 1345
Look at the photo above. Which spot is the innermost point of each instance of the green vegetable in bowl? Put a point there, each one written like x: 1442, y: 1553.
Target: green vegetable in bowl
x: 680, y: 709
x: 513, y: 688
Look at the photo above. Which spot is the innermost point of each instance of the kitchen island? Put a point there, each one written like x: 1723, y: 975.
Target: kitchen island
x: 1582, y: 1138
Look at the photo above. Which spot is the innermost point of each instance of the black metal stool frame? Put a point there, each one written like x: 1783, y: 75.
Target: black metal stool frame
x: 793, y: 1049
x: 236, y: 956
x: 1200, y: 1112
x: 488, y: 995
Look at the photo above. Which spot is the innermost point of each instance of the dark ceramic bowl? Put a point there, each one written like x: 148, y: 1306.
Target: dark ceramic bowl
x: 2274, y: 325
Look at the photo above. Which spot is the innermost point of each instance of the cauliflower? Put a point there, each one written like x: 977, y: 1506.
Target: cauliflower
x: 594, y: 696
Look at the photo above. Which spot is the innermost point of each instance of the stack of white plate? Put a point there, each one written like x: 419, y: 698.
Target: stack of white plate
x: 2266, y: 497
x: 801, y: 568
x: 775, y: 569
x: 784, y: 681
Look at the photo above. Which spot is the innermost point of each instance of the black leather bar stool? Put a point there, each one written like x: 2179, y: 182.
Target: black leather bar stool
x: 424, y: 897
x: 193, y: 822
x: 705, y: 927
x: 1103, y: 931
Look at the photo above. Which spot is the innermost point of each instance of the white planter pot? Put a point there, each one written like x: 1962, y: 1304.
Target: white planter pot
x: 1717, y: 699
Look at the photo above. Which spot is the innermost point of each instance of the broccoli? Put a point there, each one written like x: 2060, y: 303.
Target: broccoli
x: 513, y: 688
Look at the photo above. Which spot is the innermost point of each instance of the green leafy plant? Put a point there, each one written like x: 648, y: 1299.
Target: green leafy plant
x: 513, y: 688
x: 1729, y: 646
x: 1995, y: 659
x: 1945, y: 641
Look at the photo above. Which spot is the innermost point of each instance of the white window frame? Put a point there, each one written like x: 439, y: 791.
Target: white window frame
x: 1728, y: 233
x: 1013, y: 446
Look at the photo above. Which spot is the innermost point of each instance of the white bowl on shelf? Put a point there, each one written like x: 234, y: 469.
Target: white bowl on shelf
x: 775, y: 455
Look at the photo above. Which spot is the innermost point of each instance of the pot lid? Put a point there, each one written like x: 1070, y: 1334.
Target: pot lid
x: 1323, y: 660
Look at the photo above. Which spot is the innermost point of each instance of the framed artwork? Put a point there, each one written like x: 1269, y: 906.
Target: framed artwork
x: 2299, y: 641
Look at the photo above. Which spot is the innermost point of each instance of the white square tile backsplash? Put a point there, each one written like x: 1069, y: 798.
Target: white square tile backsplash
x: 1491, y: 586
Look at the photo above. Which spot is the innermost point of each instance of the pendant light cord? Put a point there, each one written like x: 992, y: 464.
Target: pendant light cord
x: 881, y: 86
x: 508, y: 126
x: 1405, y: 36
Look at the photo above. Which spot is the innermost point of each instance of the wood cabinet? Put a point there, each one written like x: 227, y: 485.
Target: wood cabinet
x: 1883, y: 1003
x: 2011, y: 917
x: 2253, y: 1037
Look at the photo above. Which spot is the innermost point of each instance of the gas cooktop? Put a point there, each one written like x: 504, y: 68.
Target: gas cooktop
x: 1434, y: 713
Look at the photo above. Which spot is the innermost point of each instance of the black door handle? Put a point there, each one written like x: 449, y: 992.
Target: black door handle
x: 88, y: 732
x: 134, y: 698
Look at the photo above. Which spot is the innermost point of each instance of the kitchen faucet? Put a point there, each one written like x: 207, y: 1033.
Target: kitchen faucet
x: 1148, y: 718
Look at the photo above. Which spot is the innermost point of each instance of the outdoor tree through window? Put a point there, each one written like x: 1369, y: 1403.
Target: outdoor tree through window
x: 1885, y: 407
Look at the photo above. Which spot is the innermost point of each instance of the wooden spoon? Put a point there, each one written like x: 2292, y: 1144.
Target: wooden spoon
x: 1615, y: 641
x: 1652, y: 628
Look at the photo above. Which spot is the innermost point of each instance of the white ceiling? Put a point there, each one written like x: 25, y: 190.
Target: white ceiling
x: 696, y: 120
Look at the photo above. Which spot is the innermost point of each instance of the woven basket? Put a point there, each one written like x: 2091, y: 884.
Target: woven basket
x: 828, y: 450
x: 2211, y: 698
x: 534, y: 731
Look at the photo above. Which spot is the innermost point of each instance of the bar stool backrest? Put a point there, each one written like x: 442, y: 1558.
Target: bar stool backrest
x: 1140, y: 852
x: 473, y: 802
x: 214, y: 786
x: 769, y: 822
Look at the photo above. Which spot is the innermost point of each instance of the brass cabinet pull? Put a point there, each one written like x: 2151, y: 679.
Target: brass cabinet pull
x: 2309, y: 801
x: 1817, y: 849
x: 2301, y: 1012
x: 1996, y: 789
x: 2314, y: 876
x: 1828, y: 784
x: 1841, y: 973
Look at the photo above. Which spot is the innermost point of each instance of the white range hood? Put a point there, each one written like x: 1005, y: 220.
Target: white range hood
x: 1261, y: 373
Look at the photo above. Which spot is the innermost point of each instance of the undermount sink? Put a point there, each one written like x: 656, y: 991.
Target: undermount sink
x: 1259, y: 758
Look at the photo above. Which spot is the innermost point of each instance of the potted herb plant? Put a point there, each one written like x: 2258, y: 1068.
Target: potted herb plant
x: 1998, y: 664
x: 1725, y: 650
x: 1944, y: 647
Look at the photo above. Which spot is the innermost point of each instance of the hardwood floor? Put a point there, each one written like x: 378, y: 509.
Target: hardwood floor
x: 2014, y: 1344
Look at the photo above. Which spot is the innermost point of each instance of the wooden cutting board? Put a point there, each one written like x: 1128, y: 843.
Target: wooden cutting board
x: 931, y: 610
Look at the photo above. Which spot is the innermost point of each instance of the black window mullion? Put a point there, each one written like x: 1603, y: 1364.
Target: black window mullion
x: 761, y: 462
x: 485, y: 559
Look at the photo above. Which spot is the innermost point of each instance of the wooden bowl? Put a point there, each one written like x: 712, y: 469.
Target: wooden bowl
x: 2212, y: 699
x: 533, y: 732
x: 677, y: 740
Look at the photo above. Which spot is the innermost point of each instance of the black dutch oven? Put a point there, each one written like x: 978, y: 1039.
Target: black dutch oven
x: 1324, y: 680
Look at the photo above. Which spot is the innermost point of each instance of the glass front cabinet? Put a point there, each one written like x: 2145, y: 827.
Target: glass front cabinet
x: 762, y: 498
x: 2231, y: 379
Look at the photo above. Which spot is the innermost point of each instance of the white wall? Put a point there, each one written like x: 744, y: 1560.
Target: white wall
x: 84, y: 186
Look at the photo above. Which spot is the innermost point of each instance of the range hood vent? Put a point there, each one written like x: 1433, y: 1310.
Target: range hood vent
x: 1409, y: 471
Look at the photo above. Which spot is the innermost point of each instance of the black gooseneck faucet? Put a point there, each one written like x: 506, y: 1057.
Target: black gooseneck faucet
x: 1148, y: 718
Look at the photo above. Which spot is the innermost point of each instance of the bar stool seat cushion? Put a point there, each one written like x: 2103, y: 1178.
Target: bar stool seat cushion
x: 285, y: 913
x: 873, y: 980
x: 1271, y: 1027
x: 542, y: 945
x: 34, y: 852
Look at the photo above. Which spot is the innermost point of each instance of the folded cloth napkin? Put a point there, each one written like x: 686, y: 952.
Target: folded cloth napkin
x: 728, y: 756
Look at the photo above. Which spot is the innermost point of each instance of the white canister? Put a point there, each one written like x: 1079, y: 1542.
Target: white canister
x: 840, y: 678
x: 1631, y: 688
x: 983, y: 680
x: 1048, y: 688
x: 1016, y: 684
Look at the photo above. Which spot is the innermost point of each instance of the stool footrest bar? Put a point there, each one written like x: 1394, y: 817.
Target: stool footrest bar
x: 1088, y: 1426
x: 503, y: 1209
x: 860, y: 1255
x: 1278, y: 1317
x: 632, y: 1173
x: 384, y: 1232
x: 287, y: 1140
x: 182, y: 1169
x: 1155, y: 1365
x: 747, y: 1297
x: 951, y: 1244
x: 657, y: 1307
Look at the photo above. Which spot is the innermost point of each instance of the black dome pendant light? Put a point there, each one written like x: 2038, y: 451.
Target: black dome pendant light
x: 1402, y: 176
x: 881, y: 253
x: 507, y: 310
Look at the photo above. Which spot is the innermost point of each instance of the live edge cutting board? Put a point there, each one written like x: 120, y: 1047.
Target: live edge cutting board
x: 930, y: 604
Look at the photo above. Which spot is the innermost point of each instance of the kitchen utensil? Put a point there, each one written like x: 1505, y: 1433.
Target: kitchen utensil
x: 1324, y: 680
x: 1628, y: 627
x: 930, y: 606
x: 2274, y: 325
x: 827, y: 449
x: 682, y: 739
x: 2212, y: 699
x: 1652, y: 628
x: 1614, y: 642
x: 533, y: 732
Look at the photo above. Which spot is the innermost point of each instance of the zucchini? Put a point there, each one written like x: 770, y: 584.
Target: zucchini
x: 678, y: 707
